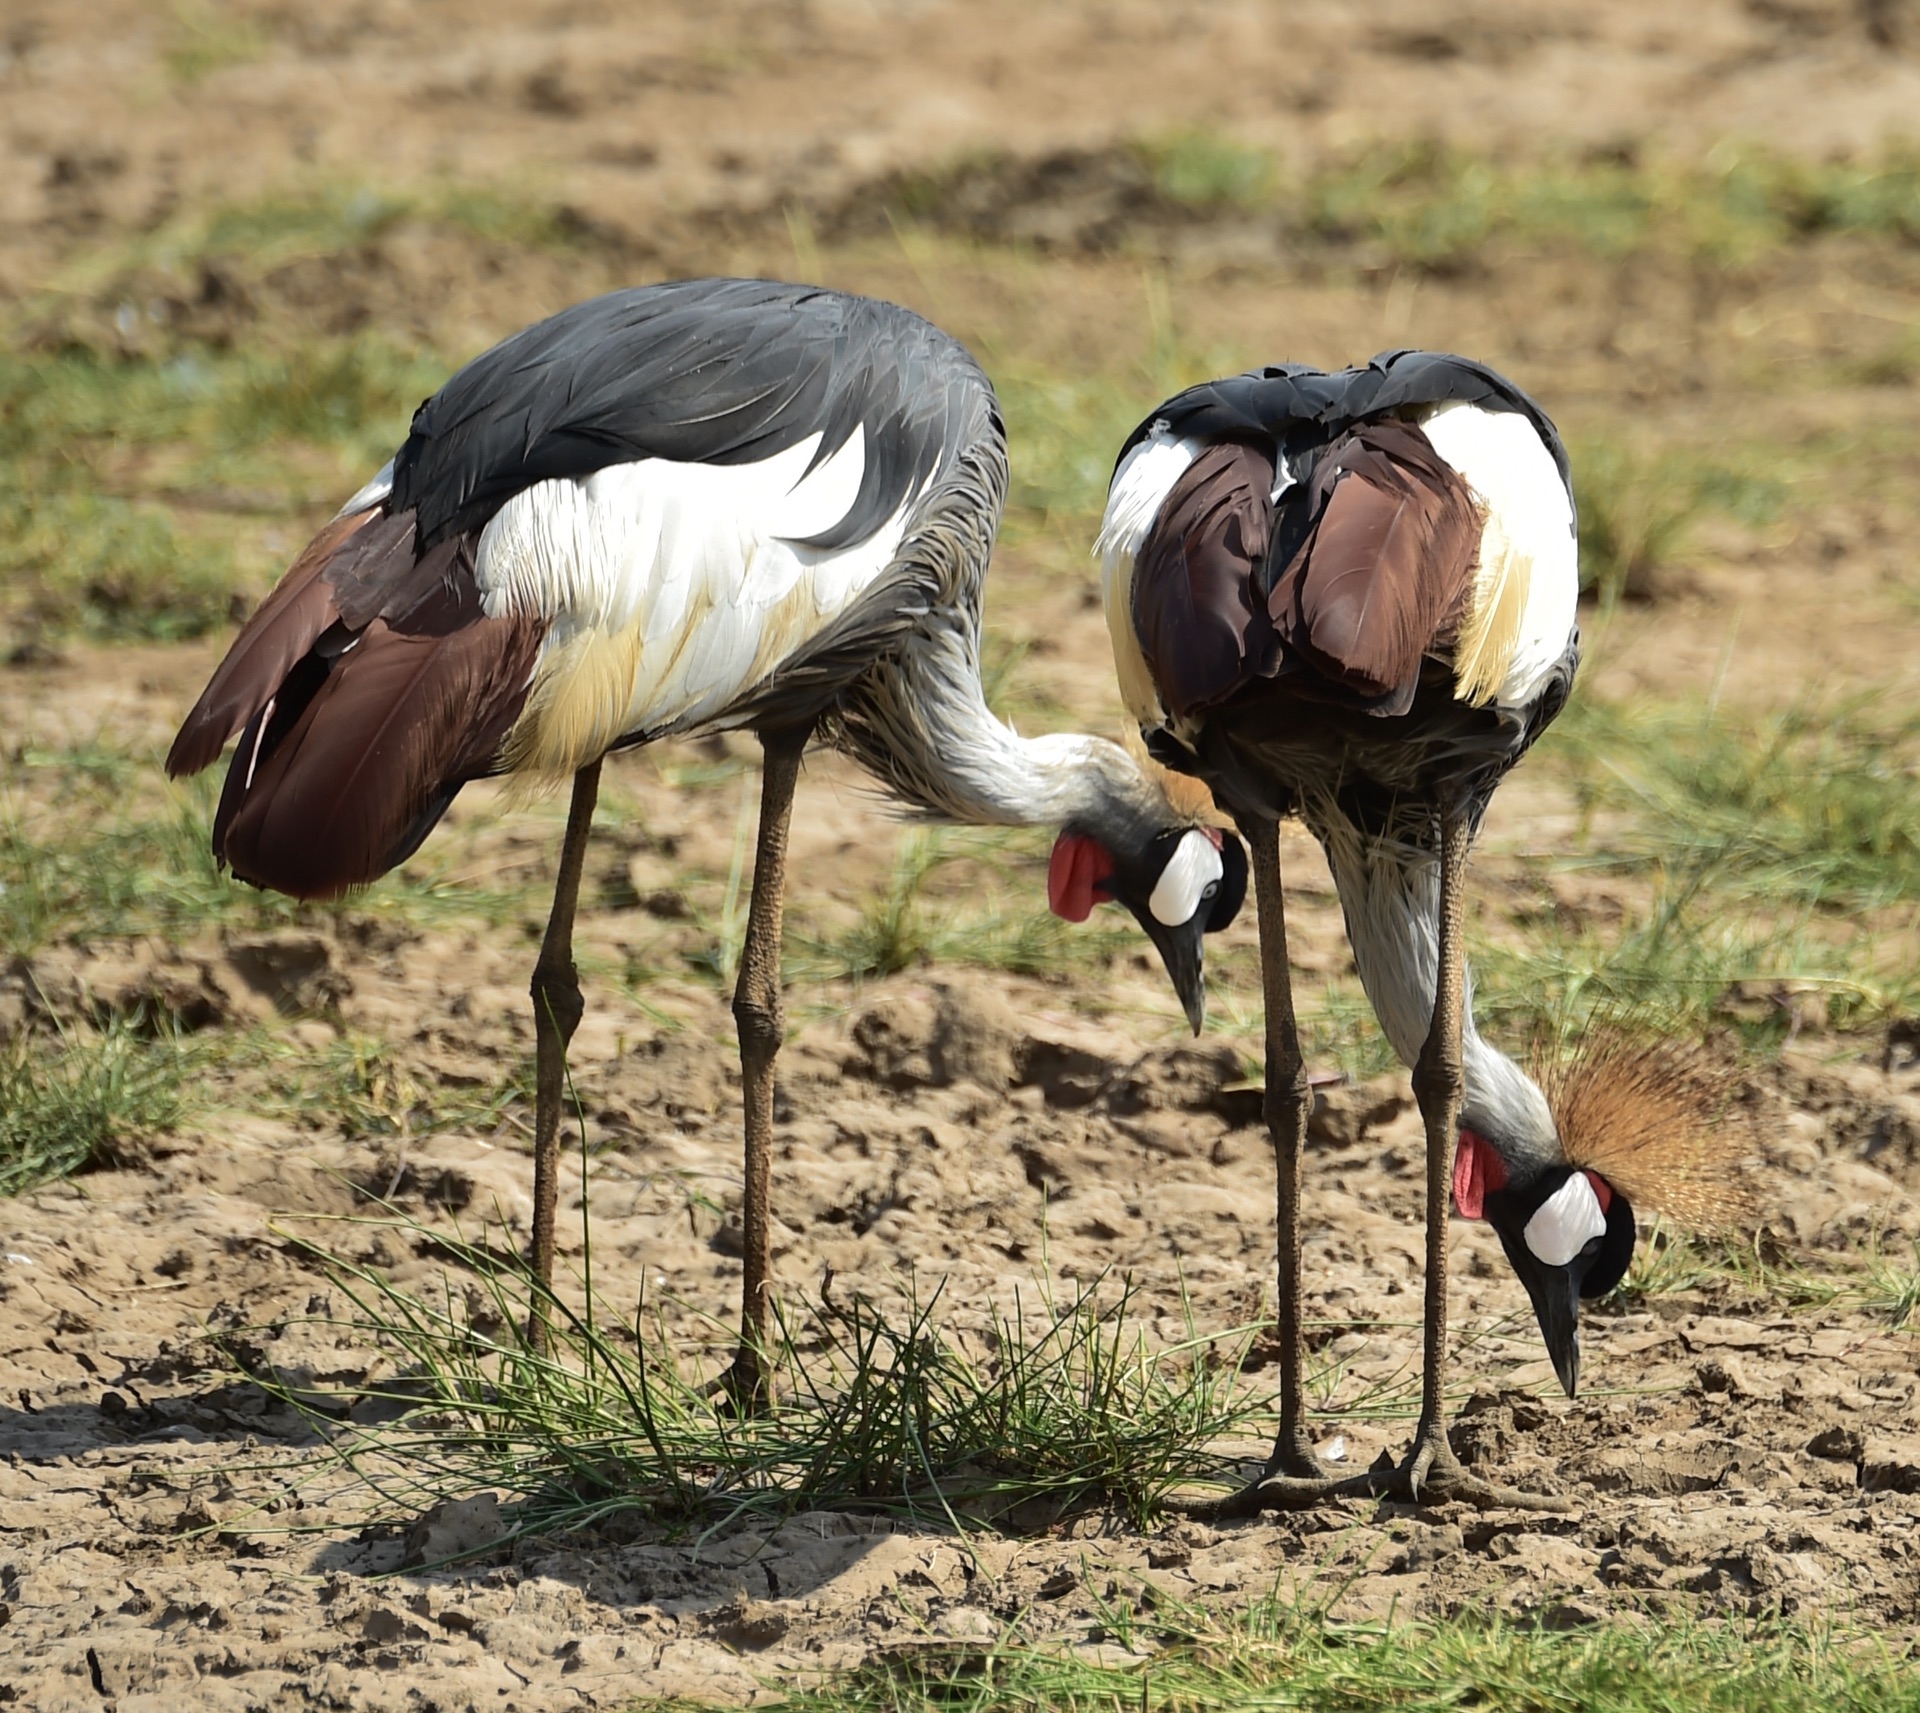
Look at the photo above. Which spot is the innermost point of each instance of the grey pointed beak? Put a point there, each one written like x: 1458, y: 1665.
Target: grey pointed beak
x: 1556, y: 1305
x: 1183, y: 951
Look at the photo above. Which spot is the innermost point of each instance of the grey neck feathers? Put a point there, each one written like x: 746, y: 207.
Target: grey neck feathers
x: 920, y: 719
x: 925, y: 727
x: 1391, y: 896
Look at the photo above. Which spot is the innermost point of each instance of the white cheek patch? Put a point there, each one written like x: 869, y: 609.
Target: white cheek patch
x: 1566, y: 1222
x: 1194, y: 866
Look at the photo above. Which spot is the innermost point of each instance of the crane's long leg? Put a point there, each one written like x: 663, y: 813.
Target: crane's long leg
x: 1287, y: 1102
x: 1294, y: 1475
x: 1431, y: 1471
x: 1439, y: 1080
x: 761, y: 1019
x: 556, y: 1014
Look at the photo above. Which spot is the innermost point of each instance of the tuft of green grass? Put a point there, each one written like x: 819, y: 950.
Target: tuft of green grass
x: 1281, y: 1652
x: 1783, y: 848
x: 947, y: 902
x: 71, y: 1104
x: 1209, y: 173
x: 356, y: 394
x: 1047, y: 1407
x: 1698, y: 959
x: 893, y: 933
x: 1868, y: 1279
x: 1892, y: 1287
x: 1635, y: 514
x: 111, y: 471
x: 1062, y: 433
x: 84, y: 856
x: 207, y: 39
x: 358, y: 1086
x: 1815, y: 805
x: 1438, y: 208
x: 247, y: 241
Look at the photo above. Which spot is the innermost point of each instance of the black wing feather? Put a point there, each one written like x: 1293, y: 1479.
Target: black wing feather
x: 1286, y: 404
x: 703, y: 371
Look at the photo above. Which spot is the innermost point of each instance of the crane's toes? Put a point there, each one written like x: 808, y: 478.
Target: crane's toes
x: 1432, y: 1475
x: 1282, y: 1492
x: 742, y: 1388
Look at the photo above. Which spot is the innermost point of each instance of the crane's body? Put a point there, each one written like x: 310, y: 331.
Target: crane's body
x: 708, y: 505
x: 684, y: 508
x: 1351, y: 596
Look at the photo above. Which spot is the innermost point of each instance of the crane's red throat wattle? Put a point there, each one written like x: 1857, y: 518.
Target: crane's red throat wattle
x: 1477, y: 1172
x: 1077, y: 876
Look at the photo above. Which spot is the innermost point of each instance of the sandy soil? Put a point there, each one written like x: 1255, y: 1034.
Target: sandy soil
x: 1727, y: 1455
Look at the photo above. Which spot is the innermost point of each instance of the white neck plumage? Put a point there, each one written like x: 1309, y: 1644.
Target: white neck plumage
x: 926, y: 727
x: 1391, y: 896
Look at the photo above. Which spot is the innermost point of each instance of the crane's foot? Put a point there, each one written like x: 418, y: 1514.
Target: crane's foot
x: 1294, y: 1479
x: 1429, y: 1475
x: 743, y: 1388
x: 1432, y: 1475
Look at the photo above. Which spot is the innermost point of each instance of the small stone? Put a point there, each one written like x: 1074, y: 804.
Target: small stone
x: 1838, y: 1445
x: 753, y: 1624
x: 456, y: 1529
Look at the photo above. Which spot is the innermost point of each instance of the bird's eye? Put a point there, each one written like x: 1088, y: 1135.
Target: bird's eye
x: 1212, y: 888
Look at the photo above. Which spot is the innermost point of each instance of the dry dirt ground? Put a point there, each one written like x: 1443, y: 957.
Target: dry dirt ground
x: 1729, y: 1455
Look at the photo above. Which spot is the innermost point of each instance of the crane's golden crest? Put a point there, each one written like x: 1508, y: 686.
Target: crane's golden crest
x: 1188, y: 797
x: 1661, y: 1123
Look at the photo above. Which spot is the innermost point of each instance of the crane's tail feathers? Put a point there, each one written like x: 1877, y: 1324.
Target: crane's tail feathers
x: 1662, y: 1123
x: 368, y: 688
x: 286, y: 624
x: 340, y: 780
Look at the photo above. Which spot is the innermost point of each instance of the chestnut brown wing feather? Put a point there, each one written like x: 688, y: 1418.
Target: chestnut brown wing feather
x: 367, y: 689
x: 337, y: 797
x: 1202, y: 626
x: 296, y: 612
x: 1379, y: 580
x: 1387, y: 568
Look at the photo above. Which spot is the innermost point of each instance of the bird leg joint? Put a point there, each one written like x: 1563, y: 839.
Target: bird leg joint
x: 761, y: 1020
x: 1438, y: 1079
x: 557, y: 1003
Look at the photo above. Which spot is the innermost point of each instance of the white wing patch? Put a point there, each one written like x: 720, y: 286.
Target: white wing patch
x: 671, y: 589
x: 371, y: 495
x: 1139, y: 489
x: 1528, y: 579
x: 1566, y: 1222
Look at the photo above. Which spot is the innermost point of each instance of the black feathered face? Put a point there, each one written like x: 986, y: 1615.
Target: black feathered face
x: 1569, y: 1235
x: 1189, y: 882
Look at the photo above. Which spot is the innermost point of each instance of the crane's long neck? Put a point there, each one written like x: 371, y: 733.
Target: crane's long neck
x: 925, y: 727
x: 921, y: 721
x: 1391, y: 896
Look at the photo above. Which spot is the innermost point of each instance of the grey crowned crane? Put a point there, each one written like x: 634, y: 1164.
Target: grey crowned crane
x: 684, y: 508
x: 1351, y: 597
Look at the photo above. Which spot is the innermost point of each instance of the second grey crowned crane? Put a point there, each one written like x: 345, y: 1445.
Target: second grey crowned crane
x: 694, y: 507
x: 1351, y: 596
